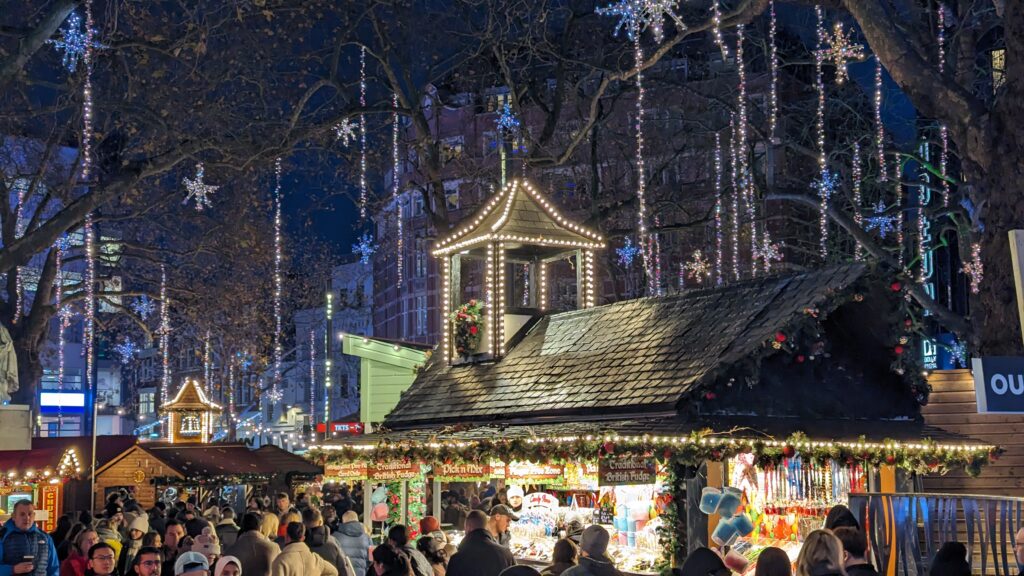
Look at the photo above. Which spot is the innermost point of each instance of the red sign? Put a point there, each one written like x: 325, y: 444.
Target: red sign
x: 531, y: 471
x: 348, y: 428
x: 347, y: 471
x: 400, y: 470
x: 463, y: 472
x: 49, y: 494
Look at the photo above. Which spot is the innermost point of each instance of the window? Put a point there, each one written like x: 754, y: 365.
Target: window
x: 451, y: 194
x: 420, y: 259
x: 451, y: 148
x: 421, y: 316
x: 490, y: 142
x: 417, y: 204
x: 998, y: 68
x: 147, y: 402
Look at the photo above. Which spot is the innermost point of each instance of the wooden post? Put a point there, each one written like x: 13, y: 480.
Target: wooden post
x: 436, y: 500
x: 1017, y: 259
x: 367, y: 505
x: 404, y: 515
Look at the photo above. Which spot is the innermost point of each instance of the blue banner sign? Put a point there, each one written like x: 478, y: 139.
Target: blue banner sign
x: 999, y: 384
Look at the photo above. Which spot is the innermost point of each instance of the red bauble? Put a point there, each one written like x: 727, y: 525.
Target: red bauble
x: 788, y: 451
x: 800, y: 358
x: 716, y: 455
x: 710, y: 396
x: 896, y: 286
x: 898, y: 350
x: 608, y: 447
x: 472, y: 329
x: 780, y: 337
x: 890, y: 459
x: 908, y: 322
x: 993, y: 456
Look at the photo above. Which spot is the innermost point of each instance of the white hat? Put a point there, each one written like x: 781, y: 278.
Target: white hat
x: 514, y: 491
x: 189, y: 562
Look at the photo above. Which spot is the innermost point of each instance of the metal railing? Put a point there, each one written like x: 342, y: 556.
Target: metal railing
x: 906, y: 530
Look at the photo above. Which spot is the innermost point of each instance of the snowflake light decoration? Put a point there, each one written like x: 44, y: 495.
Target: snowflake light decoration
x: 975, y: 269
x: 63, y: 243
x: 508, y: 124
x: 699, y: 267
x: 826, y: 184
x: 880, y: 221
x: 126, y: 351
x: 199, y: 190
x: 144, y: 306
x: 346, y: 131
x: 841, y: 51
x: 628, y: 252
x: 365, y: 248
x: 74, y: 42
x: 958, y: 354
x: 768, y: 251
x: 65, y: 314
x: 635, y: 16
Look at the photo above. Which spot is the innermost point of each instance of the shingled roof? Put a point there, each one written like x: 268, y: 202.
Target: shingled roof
x: 634, y: 357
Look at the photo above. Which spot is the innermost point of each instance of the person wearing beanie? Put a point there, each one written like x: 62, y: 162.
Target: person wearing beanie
x: 228, y: 566
x: 594, y: 560
x: 430, y: 526
x: 137, y: 529
x: 839, y: 516
x: 208, y: 545
x: 351, y: 536
x: 950, y: 560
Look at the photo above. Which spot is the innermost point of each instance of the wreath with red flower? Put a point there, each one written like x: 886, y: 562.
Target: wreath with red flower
x: 468, y: 321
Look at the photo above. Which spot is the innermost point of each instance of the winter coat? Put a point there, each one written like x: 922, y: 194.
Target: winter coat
x: 420, y: 565
x: 74, y: 565
x: 297, y: 560
x: 321, y: 544
x: 556, y: 569
x: 227, y: 532
x: 255, y: 552
x: 15, y: 544
x: 593, y: 567
x: 355, y: 543
x: 861, y: 570
x: 128, y: 553
x: 479, y: 555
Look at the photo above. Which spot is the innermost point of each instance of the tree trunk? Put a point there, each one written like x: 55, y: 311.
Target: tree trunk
x: 30, y: 370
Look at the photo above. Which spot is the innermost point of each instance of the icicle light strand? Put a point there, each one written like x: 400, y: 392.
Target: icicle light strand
x: 165, y: 338
x: 63, y: 321
x: 899, y: 215
x: 718, y: 210
x: 399, y: 217
x: 312, y: 384
x: 207, y: 366
x: 857, y: 198
x: 275, y: 392
x: 90, y: 304
x: 734, y: 237
x: 641, y: 176
x: 716, y: 28
x: 883, y: 171
x: 746, y: 180
x: 363, y: 193
x: 773, y: 64
x: 819, y: 123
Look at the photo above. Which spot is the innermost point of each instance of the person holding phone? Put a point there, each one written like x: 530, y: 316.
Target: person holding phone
x: 24, y: 547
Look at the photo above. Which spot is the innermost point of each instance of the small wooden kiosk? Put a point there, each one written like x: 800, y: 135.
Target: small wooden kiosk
x: 190, y: 415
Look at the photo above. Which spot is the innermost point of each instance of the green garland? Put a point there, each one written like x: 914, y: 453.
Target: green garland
x: 924, y: 457
x: 468, y: 324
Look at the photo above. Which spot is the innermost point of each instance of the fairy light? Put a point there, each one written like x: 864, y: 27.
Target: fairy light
x: 328, y: 361
x: 275, y: 392
x: 899, y: 215
x: 89, y: 340
x: 87, y: 57
x: 826, y: 187
x: 164, y: 330
x: 499, y: 313
x: 656, y: 251
x: 735, y: 237
x: 446, y: 298
x: 883, y: 172
x: 543, y: 275
x: 975, y: 269
x: 207, y: 366
x: 716, y: 29
x: 718, y: 210
x: 942, y: 38
x: 362, y: 134
x: 746, y: 181
x: 588, y: 259
x: 924, y: 235
x: 943, y: 132
x: 19, y: 287
x: 819, y: 57
x: 526, y: 285
x: 858, y: 218
x: 63, y: 320
x: 312, y: 381
x: 490, y: 293
x: 399, y: 217
x: 231, y: 391
x: 773, y: 58
x: 640, y: 169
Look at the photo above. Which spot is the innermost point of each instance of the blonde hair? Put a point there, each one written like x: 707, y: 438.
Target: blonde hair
x: 291, y: 517
x: 821, y: 550
x: 269, y: 525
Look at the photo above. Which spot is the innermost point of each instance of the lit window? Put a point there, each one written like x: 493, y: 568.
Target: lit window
x: 998, y: 68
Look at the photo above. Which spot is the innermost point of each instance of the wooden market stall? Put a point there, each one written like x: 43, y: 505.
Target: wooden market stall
x: 794, y: 389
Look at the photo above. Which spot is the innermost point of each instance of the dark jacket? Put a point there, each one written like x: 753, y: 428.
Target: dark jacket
x: 861, y: 570
x: 227, y: 533
x: 556, y: 569
x: 321, y: 544
x: 592, y: 567
x: 355, y: 543
x: 479, y: 555
x: 194, y: 527
x: 15, y: 544
x: 420, y: 565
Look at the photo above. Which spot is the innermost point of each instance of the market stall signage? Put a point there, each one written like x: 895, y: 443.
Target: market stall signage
x: 532, y: 472
x: 467, y: 472
x: 398, y: 470
x: 347, y: 471
x: 999, y: 384
x: 626, y: 470
x: 51, y: 501
x: 540, y: 500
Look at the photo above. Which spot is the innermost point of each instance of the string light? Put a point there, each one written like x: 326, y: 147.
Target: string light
x: 207, y: 365
x: 399, y: 217
x: 588, y: 278
x: 841, y: 51
x: 924, y: 236
x: 365, y: 248
x: 543, y: 285
x: 718, y: 209
x: 628, y: 252
x: 746, y: 180
x: 641, y: 172
x: 508, y: 127
x: 635, y: 16
x: 958, y: 354
x: 768, y: 251
x: 63, y: 320
x: 858, y: 218
x: 499, y: 313
x: 89, y: 340
x: 164, y: 331
x: 975, y: 269
x: 883, y: 171
x: 699, y: 267
x: 826, y: 183
x: 716, y: 28
x: 362, y: 134
x: 526, y: 285
x: 773, y: 57
x: 446, y: 299
x: 656, y: 251
x: 899, y: 214
x: 312, y: 382
x: 198, y: 189
x: 880, y: 221
x: 942, y: 38
x: 231, y: 391
x: 328, y: 361
x: 275, y: 392
x: 735, y: 237
x: 943, y: 132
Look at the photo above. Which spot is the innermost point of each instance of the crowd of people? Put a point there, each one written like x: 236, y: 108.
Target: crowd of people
x: 279, y: 537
